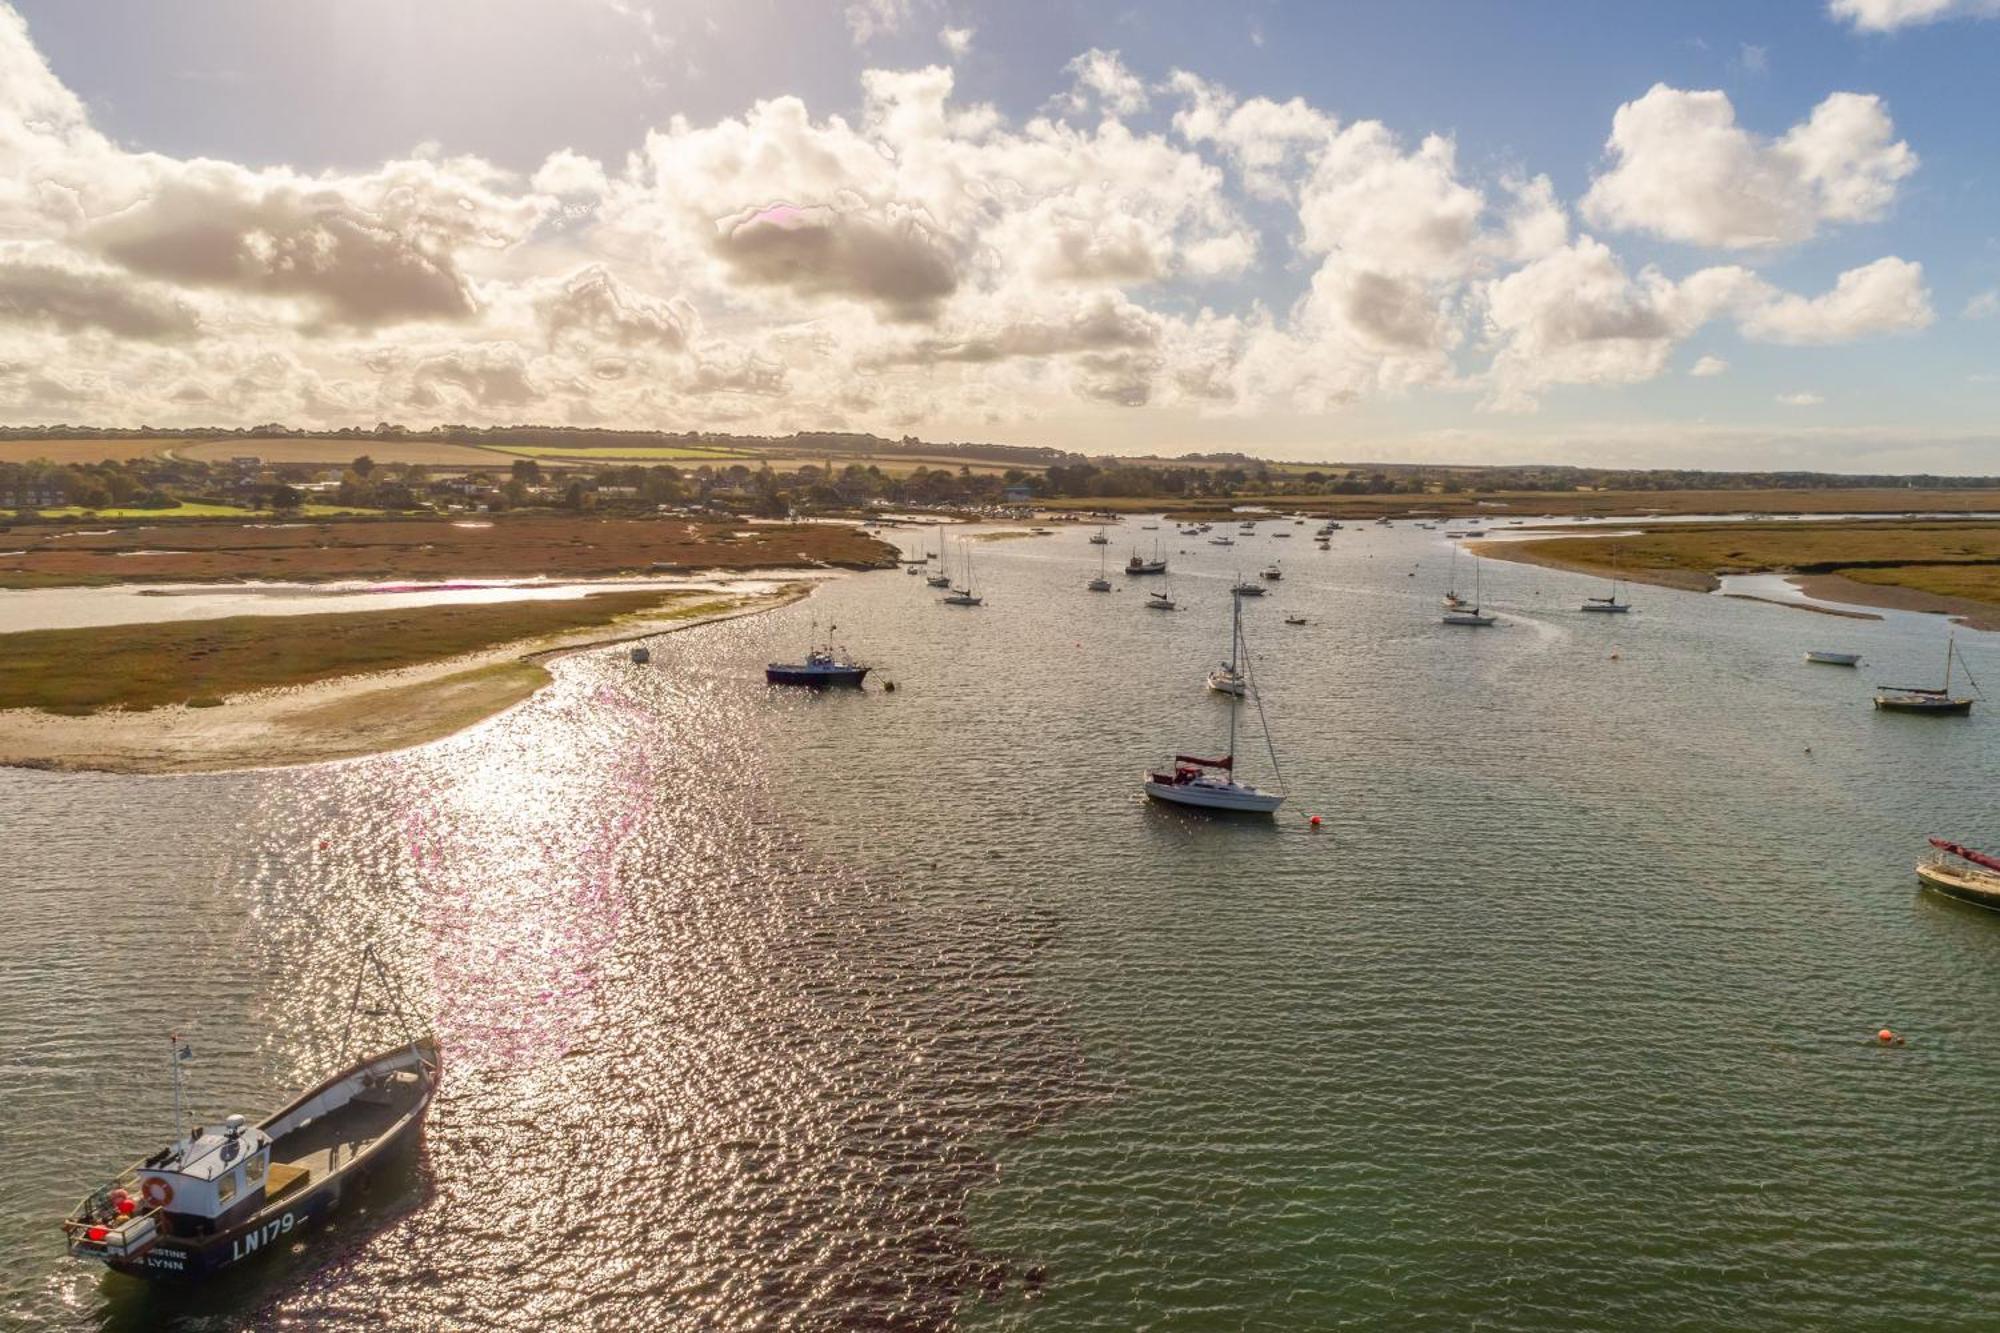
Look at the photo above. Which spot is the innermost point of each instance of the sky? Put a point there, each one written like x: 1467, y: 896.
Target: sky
x: 1675, y: 235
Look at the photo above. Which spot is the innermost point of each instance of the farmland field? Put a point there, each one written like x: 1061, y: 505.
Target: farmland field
x: 79, y: 451
x: 431, y: 453
x: 628, y: 454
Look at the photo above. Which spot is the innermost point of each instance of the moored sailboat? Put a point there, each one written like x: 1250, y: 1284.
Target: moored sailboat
x: 941, y: 579
x: 1609, y: 604
x: 1210, y: 784
x: 1940, y: 702
x: 1459, y: 612
x: 1961, y: 873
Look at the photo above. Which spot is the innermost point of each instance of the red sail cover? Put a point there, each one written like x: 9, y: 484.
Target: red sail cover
x: 1977, y: 858
x: 1227, y: 761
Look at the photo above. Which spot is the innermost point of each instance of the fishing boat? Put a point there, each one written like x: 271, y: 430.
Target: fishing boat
x: 1100, y: 583
x: 219, y: 1195
x: 941, y: 579
x: 1939, y: 702
x: 1138, y: 564
x: 1825, y: 658
x: 1961, y: 873
x: 1457, y: 611
x: 1210, y: 784
x: 822, y: 667
x: 1609, y: 604
x: 1242, y: 589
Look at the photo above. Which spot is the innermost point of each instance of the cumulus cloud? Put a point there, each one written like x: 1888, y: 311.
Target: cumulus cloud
x: 1708, y: 366
x: 38, y: 288
x: 1887, y: 296
x: 1102, y: 76
x: 928, y: 256
x: 1889, y: 15
x: 1684, y: 170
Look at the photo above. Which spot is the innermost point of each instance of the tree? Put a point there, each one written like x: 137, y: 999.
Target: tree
x: 287, y: 499
x: 363, y: 465
x: 527, y: 471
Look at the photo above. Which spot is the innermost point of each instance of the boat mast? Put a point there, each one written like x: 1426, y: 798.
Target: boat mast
x: 179, y: 1054
x: 1235, y: 638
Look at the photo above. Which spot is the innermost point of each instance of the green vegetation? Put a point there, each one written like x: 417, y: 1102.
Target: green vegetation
x: 181, y: 510
x: 78, y: 671
x: 1947, y: 558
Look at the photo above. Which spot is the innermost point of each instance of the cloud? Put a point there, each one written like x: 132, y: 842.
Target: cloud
x: 957, y: 42
x: 1984, y: 305
x: 1102, y: 75
x: 1889, y: 15
x: 869, y: 19
x: 1800, y: 399
x: 593, y: 303
x: 896, y: 263
x: 1753, y: 59
x: 71, y: 297
x: 1683, y: 170
x: 1708, y: 366
x: 1887, y: 296
x: 567, y: 173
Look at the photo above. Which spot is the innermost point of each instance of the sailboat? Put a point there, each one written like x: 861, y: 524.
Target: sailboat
x: 941, y: 579
x: 1099, y: 539
x: 1228, y: 678
x: 1611, y: 603
x: 1973, y: 877
x: 1100, y: 583
x: 1452, y: 601
x: 1464, y: 613
x: 963, y: 596
x: 1162, y: 601
x: 1922, y: 699
x: 1210, y: 784
x: 1242, y: 589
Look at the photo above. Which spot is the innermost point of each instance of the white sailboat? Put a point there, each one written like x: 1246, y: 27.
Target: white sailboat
x: 1099, y: 539
x: 964, y: 596
x: 1468, y: 613
x: 1228, y: 678
x: 1210, y: 784
x: 1100, y: 583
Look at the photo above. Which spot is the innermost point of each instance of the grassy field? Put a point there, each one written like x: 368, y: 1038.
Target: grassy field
x: 1949, y: 559
x: 410, y: 548
x: 200, y: 662
x: 333, y: 453
x: 1502, y: 506
x: 80, y: 451
x: 635, y: 454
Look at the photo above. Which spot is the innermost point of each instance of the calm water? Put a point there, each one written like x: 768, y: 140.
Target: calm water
x: 899, y: 1010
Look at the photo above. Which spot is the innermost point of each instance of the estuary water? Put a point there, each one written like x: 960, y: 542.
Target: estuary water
x: 903, y: 1010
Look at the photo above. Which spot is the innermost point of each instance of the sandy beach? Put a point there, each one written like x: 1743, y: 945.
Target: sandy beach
x: 1839, y: 588
x: 336, y: 719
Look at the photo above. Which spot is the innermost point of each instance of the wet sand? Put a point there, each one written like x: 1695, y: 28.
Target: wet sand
x: 336, y: 719
x: 1839, y: 588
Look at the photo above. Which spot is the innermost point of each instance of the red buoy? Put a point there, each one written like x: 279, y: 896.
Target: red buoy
x: 1315, y: 821
x: 1885, y: 1035
x: 126, y: 1207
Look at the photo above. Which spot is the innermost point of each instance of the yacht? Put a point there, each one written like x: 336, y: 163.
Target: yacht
x: 1961, y: 873
x: 1922, y: 699
x: 1210, y: 784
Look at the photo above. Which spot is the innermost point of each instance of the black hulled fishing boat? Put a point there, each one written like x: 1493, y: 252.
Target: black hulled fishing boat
x: 219, y: 1195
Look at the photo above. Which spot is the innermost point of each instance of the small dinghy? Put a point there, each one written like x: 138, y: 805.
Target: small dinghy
x: 1295, y: 620
x: 1825, y: 658
x: 219, y: 1195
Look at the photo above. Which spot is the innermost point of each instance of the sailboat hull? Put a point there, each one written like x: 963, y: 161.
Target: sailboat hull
x: 1607, y: 608
x: 1968, y: 886
x: 1217, y: 798
x: 1938, y: 707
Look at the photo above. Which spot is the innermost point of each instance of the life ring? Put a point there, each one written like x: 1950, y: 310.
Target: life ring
x: 156, y: 1192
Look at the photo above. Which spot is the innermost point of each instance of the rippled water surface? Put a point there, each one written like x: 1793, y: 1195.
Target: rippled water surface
x: 901, y: 1010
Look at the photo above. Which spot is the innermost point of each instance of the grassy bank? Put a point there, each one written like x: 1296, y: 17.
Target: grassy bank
x: 556, y: 546
x: 80, y: 671
x: 1500, y: 506
x: 1956, y: 563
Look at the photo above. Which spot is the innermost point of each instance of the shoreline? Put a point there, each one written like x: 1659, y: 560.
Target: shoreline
x: 349, y: 717
x: 1893, y: 597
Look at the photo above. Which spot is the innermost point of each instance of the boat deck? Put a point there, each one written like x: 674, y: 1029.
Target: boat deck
x: 333, y: 1141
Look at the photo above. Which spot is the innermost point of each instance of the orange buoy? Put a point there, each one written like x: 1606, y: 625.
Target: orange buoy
x: 1885, y: 1035
x: 97, y: 1233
